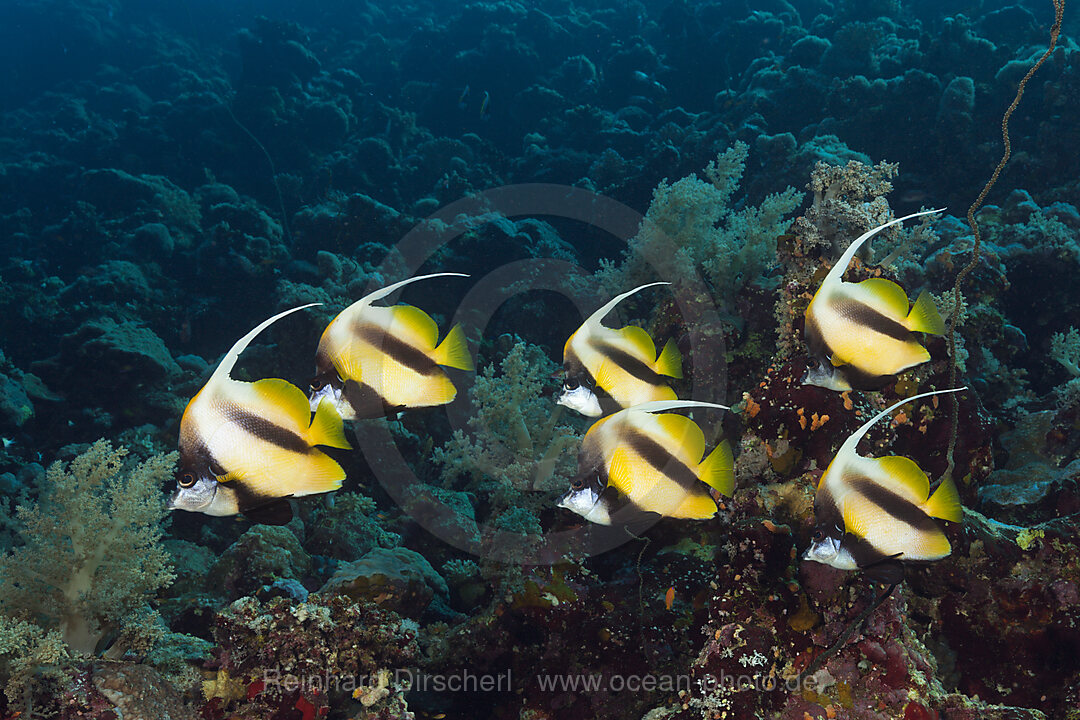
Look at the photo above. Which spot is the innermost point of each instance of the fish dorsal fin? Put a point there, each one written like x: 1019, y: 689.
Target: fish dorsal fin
x: 285, y: 396
x: 639, y: 341
x: 383, y: 292
x: 886, y: 296
x: 598, y: 316
x: 683, y: 431
x: 924, y: 316
x: 670, y: 361
x: 837, y: 271
x: 848, y: 448
x: 656, y: 406
x: 904, y: 472
x: 229, y: 361
x: 418, y: 323
x: 945, y: 502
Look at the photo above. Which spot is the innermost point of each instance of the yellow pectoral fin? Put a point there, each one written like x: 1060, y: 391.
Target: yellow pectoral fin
x: 285, y: 397
x: 857, y: 519
x: 231, y: 477
x: 924, y: 316
x: 605, y: 375
x: 907, y: 478
x: 883, y: 295
x: 453, y: 351
x: 348, y: 361
x: 945, y: 502
x: 622, y: 475
x: 718, y: 470
x: 670, y: 361
x: 327, y: 427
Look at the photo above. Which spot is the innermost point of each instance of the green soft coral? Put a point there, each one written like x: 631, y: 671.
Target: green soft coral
x: 90, y: 560
x: 1065, y: 348
x: 514, y: 437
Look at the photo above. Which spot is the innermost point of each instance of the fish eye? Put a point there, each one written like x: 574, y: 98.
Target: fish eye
x: 818, y: 535
x: 317, y: 384
x: 186, y: 479
x: 571, y: 384
x: 577, y: 484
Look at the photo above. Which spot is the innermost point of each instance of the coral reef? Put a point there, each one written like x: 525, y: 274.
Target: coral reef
x: 168, y: 172
x: 90, y: 562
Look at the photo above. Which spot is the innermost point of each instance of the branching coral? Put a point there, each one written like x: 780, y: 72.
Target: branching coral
x: 90, y: 559
x: 515, y: 439
x: 1065, y: 348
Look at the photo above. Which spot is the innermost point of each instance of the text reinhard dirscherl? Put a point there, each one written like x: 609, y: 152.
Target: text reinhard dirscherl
x: 468, y: 681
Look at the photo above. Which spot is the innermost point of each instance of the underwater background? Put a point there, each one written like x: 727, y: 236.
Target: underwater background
x: 174, y: 173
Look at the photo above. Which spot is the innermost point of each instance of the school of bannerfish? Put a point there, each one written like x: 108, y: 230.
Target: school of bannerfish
x: 248, y: 447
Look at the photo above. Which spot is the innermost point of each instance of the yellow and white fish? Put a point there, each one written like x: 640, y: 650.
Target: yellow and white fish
x: 373, y: 361
x: 622, y: 363
x: 636, y: 461
x: 873, y: 513
x: 245, y: 446
x: 863, y: 334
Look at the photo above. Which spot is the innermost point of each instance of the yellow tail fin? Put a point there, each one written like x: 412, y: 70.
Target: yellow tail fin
x: 924, y: 316
x: 454, y: 350
x: 945, y: 502
x: 718, y: 469
x: 327, y: 428
x: 670, y: 361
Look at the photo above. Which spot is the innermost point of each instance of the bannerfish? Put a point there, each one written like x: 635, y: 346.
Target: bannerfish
x: 246, y: 446
x: 622, y: 363
x: 872, y: 513
x: 376, y: 361
x: 863, y: 334
x: 636, y: 461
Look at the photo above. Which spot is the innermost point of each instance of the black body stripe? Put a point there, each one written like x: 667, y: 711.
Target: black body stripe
x: 636, y: 368
x: 658, y: 456
x: 862, y: 552
x: 265, y: 430
x: 246, y: 498
x: 903, y: 510
x: 398, y: 350
x: 817, y: 345
x: 870, y: 318
x: 367, y: 403
x: 860, y: 380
